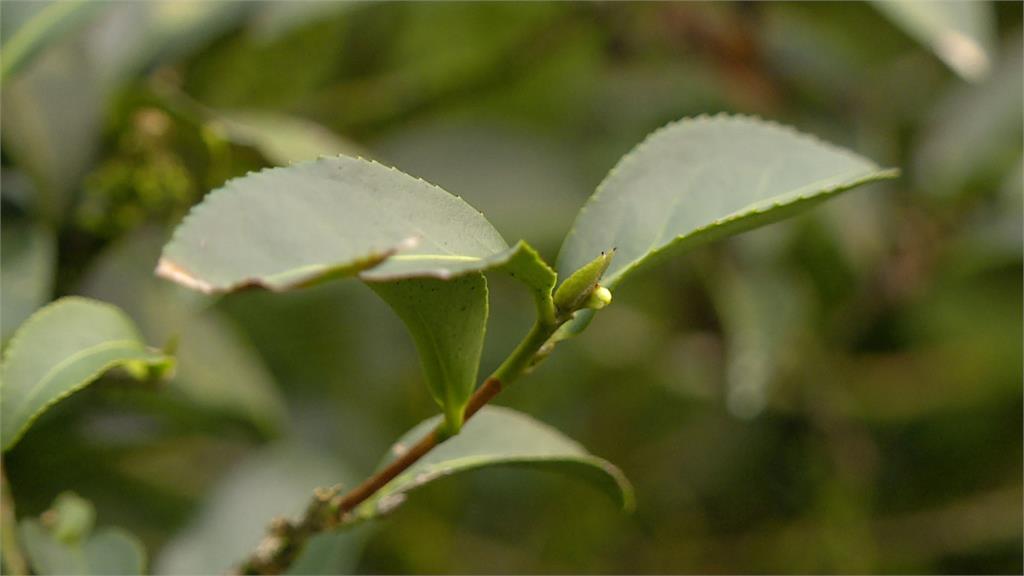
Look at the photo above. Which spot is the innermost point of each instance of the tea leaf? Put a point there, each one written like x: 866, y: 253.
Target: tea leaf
x: 705, y: 178
x: 447, y: 320
x: 496, y: 436
x: 59, y: 350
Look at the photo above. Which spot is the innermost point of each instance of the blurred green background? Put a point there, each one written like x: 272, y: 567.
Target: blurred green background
x: 837, y: 393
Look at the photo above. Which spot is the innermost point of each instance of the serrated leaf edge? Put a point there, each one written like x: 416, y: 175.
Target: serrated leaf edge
x: 634, y: 153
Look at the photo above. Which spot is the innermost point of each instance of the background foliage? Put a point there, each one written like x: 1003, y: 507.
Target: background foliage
x: 838, y: 393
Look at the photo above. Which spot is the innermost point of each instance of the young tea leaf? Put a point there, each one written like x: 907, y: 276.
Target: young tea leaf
x: 59, y: 350
x: 496, y: 436
x: 447, y: 320
x: 705, y: 178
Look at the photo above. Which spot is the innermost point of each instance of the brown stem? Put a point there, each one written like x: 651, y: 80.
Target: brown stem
x: 489, y: 389
x: 286, y: 539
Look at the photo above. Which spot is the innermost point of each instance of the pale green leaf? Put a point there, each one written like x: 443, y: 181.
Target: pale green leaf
x: 447, y: 320
x: 289, y: 227
x: 28, y: 253
x: 59, y: 350
x: 282, y: 139
x: 278, y: 480
x: 63, y: 542
x: 496, y: 436
x: 960, y: 32
x: 704, y: 178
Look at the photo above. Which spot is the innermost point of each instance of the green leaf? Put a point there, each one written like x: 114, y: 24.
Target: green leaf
x: 705, y: 178
x: 62, y: 542
x: 59, y: 350
x: 960, y: 32
x: 289, y: 227
x: 447, y: 320
x: 217, y: 369
x: 29, y: 255
x: 42, y: 27
x: 282, y: 139
x: 496, y: 436
x: 277, y: 480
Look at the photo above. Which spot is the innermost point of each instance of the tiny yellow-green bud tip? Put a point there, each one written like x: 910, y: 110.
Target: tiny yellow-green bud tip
x: 599, y: 298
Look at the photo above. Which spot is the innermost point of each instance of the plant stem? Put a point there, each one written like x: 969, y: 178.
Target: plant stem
x: 328, y: 511
x: 14, y: 560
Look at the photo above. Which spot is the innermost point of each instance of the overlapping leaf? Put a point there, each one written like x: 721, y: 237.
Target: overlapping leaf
x: 59, y: 350
x: 288, y: 227
x: 496, y: 437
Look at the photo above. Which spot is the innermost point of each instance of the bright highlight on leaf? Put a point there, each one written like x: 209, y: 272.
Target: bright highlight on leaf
x: 494, y: 437
x: 705, y: 178
x: 59, y: 350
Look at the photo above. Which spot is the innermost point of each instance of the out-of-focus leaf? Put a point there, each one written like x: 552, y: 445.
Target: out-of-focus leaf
x: 40, y: 28
x: 496, y: 436
x: 52, y: 111
x: 283, y: 139
x: 974, y: 132
x: 960, y: 32
x: 447, y: 320
x: 62, y: 348
x: 277, y: 18
x: 279, y: 480
x: 217, y: 369
x: 701, y: 179
x: 62, y: 541
x: 342, y: 215
x: 761, y: 312
x: 29, y: 255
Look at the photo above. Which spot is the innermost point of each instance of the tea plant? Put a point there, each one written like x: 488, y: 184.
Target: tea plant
x: 426, y: 253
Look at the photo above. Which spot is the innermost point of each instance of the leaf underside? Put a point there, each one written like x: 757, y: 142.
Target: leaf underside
x: 705, y: 178
x: 447, y: 320
x: 59, y: 350
x: 496, y: 436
